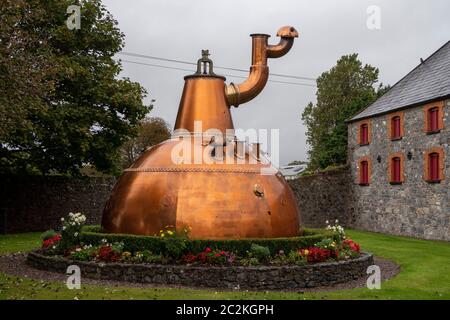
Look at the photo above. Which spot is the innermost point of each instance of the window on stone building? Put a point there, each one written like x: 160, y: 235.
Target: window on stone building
x: 433, y: 119
x: 364, y: 134
x: 396, y: 171
x: 364, y: 173
x: 433, y: 167
x: 395, y: 128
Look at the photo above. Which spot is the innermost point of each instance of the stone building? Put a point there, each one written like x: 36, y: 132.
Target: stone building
x: 399, y: 155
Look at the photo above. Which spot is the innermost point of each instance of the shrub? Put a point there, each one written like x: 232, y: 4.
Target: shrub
x: 149, y: 257
x: 157, y: 245
x: 328, y: 243
x: 85, y: 253
x: 259, y: 252
x: 174, y: 247
x: 71, y: 230
x: 48, y: 234
x: 172, y: 232
x: 337, y: 231
x: 250, y: 261
x: 294, y: 257
x: 254, y: 262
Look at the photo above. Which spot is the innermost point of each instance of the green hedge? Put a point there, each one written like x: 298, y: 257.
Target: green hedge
x: 93, y: 235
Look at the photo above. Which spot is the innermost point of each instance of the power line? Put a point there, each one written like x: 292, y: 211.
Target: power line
x: 132, y: 54
x: 228, y: 75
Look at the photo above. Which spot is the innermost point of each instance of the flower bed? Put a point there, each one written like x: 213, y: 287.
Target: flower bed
x: 159, y: 245
x: 171, y: 246
x: 171, y: 251
x: 239, y: 277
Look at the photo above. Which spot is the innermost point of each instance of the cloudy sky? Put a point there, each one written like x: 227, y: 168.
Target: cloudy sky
x: 410, y: 30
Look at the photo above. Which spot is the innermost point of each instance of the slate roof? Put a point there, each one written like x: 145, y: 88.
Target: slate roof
x: 427, y: 82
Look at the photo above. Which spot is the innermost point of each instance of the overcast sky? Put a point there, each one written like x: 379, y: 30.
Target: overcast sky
x: 410, y: 30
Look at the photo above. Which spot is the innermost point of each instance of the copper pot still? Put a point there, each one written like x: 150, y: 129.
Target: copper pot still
x: 203, y: 178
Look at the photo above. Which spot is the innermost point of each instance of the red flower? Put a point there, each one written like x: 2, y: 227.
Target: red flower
x: 107, y: 254
x: 51, y: 241
x: 208, y: 256
x: 352, y: 245
x: 315, y: 254
x: 189, y: 258
x: 202, y: 257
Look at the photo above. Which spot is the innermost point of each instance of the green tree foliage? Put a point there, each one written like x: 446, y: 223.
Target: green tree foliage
x: 61, y: 103
x: 343, y: 91
x: 151, y: 132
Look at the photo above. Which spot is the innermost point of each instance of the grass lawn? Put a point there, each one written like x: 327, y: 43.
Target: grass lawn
x: 425, y: 275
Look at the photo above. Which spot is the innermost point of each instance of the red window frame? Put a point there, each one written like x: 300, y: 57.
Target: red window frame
x: 433, y: 167
x: 364, y: 132
x: 364, y: 173
x: 433, y: 119
x: 396, y: 127
x: 396, y: 170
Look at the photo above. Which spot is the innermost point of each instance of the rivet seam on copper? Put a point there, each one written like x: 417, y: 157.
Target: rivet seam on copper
x: 221, y: 170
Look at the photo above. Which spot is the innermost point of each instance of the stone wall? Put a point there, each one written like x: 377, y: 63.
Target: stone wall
x: 251, y: 278
x: 36, y: 203
x: 416, y: 207
x: 324, y: 196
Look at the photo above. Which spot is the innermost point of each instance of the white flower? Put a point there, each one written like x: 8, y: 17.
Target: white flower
x: 327, y: 222
x: 62, y: 219
x: 75, y: 234
x: 336, y: 221
x: 64, y: 227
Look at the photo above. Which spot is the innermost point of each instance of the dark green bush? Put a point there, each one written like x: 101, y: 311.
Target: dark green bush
x: 48, y: 234
x: 133, y: 243
x: 259, y: 252
x: 294, y: 257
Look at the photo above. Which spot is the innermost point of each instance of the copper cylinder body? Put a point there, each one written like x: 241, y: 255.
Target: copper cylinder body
x: 203, y: 100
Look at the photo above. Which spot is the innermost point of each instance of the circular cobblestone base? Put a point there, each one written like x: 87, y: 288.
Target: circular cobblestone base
x: 254, y: 278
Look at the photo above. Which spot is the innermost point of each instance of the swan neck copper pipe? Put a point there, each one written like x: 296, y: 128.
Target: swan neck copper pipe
x: 259, y: 71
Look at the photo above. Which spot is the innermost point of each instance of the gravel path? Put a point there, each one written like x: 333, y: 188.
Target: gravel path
x: 14, y: 264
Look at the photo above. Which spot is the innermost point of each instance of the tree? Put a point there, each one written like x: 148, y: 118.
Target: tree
x: 151, y: 132
x: 61, y: 104
x: 342, y: 92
